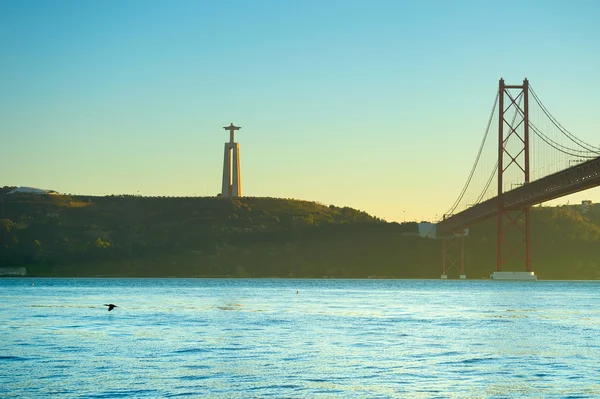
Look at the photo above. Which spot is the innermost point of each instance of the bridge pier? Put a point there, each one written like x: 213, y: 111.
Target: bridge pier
x: 514, y: 276
x: 453, y: 252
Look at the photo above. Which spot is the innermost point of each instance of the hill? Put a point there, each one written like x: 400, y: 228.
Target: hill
x: 58, y: 235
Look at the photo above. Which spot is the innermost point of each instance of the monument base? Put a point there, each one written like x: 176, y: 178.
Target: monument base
x: 513, y: 276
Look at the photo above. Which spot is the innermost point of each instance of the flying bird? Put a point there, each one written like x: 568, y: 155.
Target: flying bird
x: 110, y: 306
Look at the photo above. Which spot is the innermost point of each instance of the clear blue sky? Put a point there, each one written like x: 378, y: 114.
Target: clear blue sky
x: 377, y: 105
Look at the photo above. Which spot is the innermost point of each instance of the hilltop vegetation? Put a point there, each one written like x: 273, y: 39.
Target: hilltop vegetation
x: 565, y: 243
x: 59, y: 235
x: 206, y: 236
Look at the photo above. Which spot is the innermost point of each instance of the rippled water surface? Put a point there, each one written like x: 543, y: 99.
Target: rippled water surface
x: 220, y: 338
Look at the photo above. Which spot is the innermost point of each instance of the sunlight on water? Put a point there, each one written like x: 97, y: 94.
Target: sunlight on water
x: 334, y: 338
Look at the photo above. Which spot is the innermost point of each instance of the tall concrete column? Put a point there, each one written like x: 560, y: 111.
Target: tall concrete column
x: 226, y: 186
x: 232, y: 176
x: 236, y: 178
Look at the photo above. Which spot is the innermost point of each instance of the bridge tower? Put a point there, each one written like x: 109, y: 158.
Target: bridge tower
x: 513, y: 152
x: 232, y: 177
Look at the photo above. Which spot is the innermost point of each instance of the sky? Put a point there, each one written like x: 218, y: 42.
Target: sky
x: 376, y: 105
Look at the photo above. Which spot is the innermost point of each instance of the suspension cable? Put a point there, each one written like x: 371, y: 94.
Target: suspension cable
x: 560, y: 147
x: 550, y: 143
x: 462, y: 193
x: 562, y: 129
x: 487, y: 185
x: 512, y: 123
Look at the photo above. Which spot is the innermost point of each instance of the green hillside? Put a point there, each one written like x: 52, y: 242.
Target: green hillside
x: 565, y: 244
x: 57, y: 235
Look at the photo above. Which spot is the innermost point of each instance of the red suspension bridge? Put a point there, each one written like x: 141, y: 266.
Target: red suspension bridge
x: 535, y: 159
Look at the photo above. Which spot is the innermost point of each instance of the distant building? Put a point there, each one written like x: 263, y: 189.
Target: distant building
x: 32, y: 190
x: 585, y: 205
x: 13, y: 271
x: 427, y: 230
x: 461, y: 233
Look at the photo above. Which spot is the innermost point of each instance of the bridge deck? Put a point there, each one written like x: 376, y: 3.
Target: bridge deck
x: 568, y: 181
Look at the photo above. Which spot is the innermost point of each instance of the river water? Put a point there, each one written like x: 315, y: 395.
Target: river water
x: 280, y: 338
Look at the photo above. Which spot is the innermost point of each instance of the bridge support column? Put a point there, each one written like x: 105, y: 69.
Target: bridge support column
x: 444, y: 275
x: 513, y: 147
x: 527, y: 238
x: 453, y: 250
x: 463, y: 276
